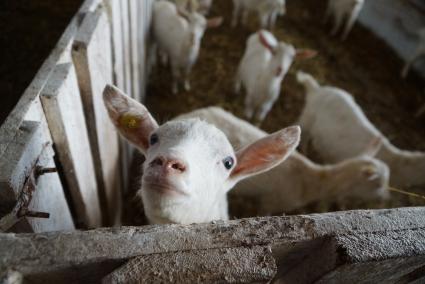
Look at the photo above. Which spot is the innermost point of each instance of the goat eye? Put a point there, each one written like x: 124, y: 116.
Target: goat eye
x: 154, y: 139
x: 228, y: 162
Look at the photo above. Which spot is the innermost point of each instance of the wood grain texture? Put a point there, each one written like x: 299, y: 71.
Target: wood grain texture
x: 93, y: 62
x: 338, y: 241
x: 227, y: 265
x: 64, y: 111
x: 11, y: 125
x: 125, y: 26
x: 134, y: 14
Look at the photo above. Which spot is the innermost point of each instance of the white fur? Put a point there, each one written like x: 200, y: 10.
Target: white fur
x: 178, y: 38
x: 419, y: 52
x: 206, y: 181
x: 267, y: 11
x: 258, y: 73
x: 299, y: 181
x: 202, y: 147
x: 340, y: 9
x: 338, y: 129
x: 185, y: 178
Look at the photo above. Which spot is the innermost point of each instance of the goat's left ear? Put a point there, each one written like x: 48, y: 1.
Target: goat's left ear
x: 214, y: 22
x: 266, y: 153
x: 130, y: 117
x: 305, y: 53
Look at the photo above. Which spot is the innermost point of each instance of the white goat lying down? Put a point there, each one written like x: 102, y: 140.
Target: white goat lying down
x: 340, y: 9
x: 190, y: 165
x: 299, y: 181
x: 338, y: 129
x: 419, y: 52
x: 178, y: 34
x: 267, y: 11
x: 262, y: 69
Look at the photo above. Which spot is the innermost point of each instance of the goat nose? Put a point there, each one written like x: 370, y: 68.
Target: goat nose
x: 174, y: 165
x: 170, y: 165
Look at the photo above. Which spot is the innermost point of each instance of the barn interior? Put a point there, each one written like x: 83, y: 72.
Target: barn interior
x: 69, y: 204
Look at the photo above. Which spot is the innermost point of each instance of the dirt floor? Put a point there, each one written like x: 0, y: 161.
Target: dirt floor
x: 28, y: 32
x: 363, y: 65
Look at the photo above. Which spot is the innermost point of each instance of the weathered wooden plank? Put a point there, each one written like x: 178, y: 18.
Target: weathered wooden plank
x: 227, y: 265
x: 49, y: 195
x: 113, y: 8
x: 30, y: 149
x: 60, y: 254
x: 141, y: 7
x: 93, y: 61
x: 125, y: 26
x: 64, y: 111
x: 144, y: 22
x: 11, y: 127
x: 17, y: 164
x: 119, y: 14
x: 119, y: 63
x: 12, y: 123
x: 134, y: 15
x: 377, y: 257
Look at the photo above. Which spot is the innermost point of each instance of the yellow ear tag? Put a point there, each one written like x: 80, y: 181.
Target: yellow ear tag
x: 129, y: 121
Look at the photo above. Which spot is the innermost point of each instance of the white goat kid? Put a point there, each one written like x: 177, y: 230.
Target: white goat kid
x: 340, y: 9
x: 267, y: 11
x: 261, y: 71
x: 299, y: 181
x: 338, y: 129
x: 190, y: 165
x: 178, y: 34
x: 419, y: 52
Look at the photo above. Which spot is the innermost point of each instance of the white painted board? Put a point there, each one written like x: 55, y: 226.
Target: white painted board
x: 64, y: 112
x: 125, y: 26
x: 113, y: 8
x: 49, y: 195
x: 134, y: 14
x: 92, y: 56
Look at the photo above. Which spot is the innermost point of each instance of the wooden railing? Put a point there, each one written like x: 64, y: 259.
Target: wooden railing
x: 60, y: 121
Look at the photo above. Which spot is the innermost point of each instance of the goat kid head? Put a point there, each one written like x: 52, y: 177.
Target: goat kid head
x: 283, y: 53
x: 197, y: 22
x: 190, y: 165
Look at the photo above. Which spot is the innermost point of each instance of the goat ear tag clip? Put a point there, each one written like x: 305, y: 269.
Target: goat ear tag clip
x: 129, y: 121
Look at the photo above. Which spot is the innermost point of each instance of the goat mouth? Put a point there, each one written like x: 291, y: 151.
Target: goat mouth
x: 163, y: 188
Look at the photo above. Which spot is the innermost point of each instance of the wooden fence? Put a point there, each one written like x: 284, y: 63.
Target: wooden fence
x: 60, y: 122
x: 371, y: 246
x: 61, y: 158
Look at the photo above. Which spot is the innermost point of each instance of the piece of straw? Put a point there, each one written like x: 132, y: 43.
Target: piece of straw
x: 406, y: 193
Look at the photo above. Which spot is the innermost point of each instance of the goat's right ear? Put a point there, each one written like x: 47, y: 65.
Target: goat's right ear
x: 265, y: 153
x: 214, y: 22
x: 130, y: 117
x: 305, y: 53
